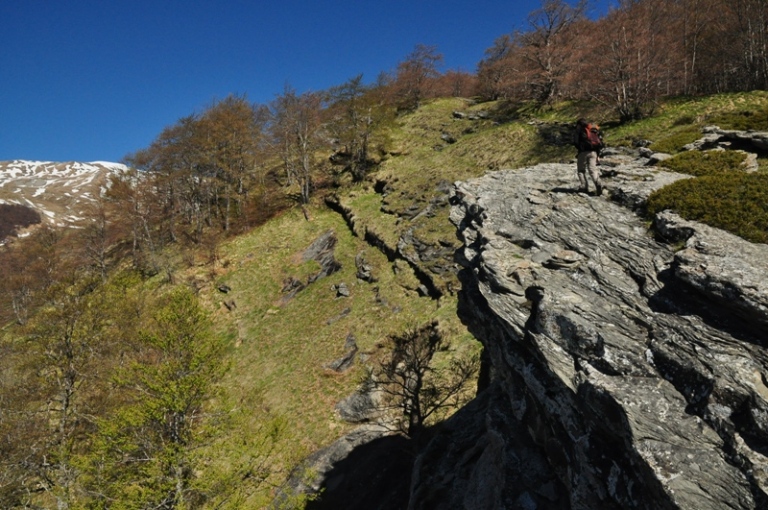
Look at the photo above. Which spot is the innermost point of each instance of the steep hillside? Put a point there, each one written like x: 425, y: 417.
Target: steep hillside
x: 288, y: 327
x: 404, y: 215
x: 292, y: 324
x: 405, y: 211
x: 310, y: 307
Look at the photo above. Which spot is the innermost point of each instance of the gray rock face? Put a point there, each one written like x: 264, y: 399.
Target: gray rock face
x: 621, y: 373
x: 322, y: 250
x: 716, y: 137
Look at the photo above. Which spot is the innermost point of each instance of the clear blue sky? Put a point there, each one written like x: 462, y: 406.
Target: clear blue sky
x: 91, y: 80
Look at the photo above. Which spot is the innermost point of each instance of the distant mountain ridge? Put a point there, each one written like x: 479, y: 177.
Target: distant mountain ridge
x: 58, y: 192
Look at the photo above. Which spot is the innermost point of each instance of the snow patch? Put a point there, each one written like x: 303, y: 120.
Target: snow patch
x: 65, y: 187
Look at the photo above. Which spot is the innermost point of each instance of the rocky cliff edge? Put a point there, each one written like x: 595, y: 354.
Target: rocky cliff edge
x: 626, y: 366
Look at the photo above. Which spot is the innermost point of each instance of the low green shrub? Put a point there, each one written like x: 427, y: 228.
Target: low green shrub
x: 734, y: 201
x: 675, y: 141
x: 705, y: 163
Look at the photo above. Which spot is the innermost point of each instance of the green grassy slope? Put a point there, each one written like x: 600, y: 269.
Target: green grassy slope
x: 421, y: 164
x: 678, y: 122
x: 280, y: 348
x: 276, y: 402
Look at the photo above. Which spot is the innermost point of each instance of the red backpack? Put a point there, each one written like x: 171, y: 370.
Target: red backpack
x: 593, y: 137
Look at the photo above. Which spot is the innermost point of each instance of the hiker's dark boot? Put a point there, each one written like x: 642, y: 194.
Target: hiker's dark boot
x: 598, y: 189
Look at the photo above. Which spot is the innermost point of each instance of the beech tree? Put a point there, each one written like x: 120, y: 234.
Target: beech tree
x: 58, y: 389
x: 230, y: 141
x: 549, y: 46
x: 297, y: 131
x: 198, y: 174
x: 146, y: 222
x: 538, y: 63
x: 22, y: 429
x: 635, y: 59
x: 144, y: 451
x: 456, y: 83
x: 66, y: 337
x: 695, y: 22
x: 414, y: 77
x: 496, y: 72
x: 20, y: 284
x: 355, y: 114
x: 99, y: 236
x: 640, y: 51
x: 31, y: 267
x: 749, y: 19
x: 171, y: 190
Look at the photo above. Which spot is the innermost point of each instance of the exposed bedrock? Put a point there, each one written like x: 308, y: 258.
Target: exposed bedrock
x: 627, y: 369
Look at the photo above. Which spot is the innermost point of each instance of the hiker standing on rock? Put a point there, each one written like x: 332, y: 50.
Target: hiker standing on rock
x: 589, y: 142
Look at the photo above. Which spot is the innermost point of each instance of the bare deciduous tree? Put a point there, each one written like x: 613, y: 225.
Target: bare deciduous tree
x: 296, y: 128
x: 415, y: 76
x: 415, y: 386
x: 749, y: 21
x: 355, y: 113
x: 229, y: 139
x: 636, y: 58
x: 548, y: 46
x: 497, y: 71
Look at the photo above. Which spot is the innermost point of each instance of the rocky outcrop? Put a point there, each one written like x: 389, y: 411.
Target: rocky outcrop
x: 625, y: 369
x: 714, y: 137
x: 427, y: 261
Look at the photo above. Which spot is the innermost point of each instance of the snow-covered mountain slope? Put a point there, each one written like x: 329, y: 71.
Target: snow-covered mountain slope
x: 59, y: 192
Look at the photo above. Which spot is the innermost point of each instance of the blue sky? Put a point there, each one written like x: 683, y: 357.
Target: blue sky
x: 95, y: 80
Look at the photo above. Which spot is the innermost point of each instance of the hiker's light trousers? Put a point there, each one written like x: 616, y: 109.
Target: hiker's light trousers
x: 586, y: 162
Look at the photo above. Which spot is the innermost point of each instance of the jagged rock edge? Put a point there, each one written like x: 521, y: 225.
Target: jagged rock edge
x: 474, y: 211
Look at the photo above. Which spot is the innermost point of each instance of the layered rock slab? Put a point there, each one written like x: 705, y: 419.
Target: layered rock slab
x: 634, y: 371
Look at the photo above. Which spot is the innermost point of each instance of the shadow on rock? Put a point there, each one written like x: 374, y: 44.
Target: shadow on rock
x: 678, y: 298
x: 373, y: 476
